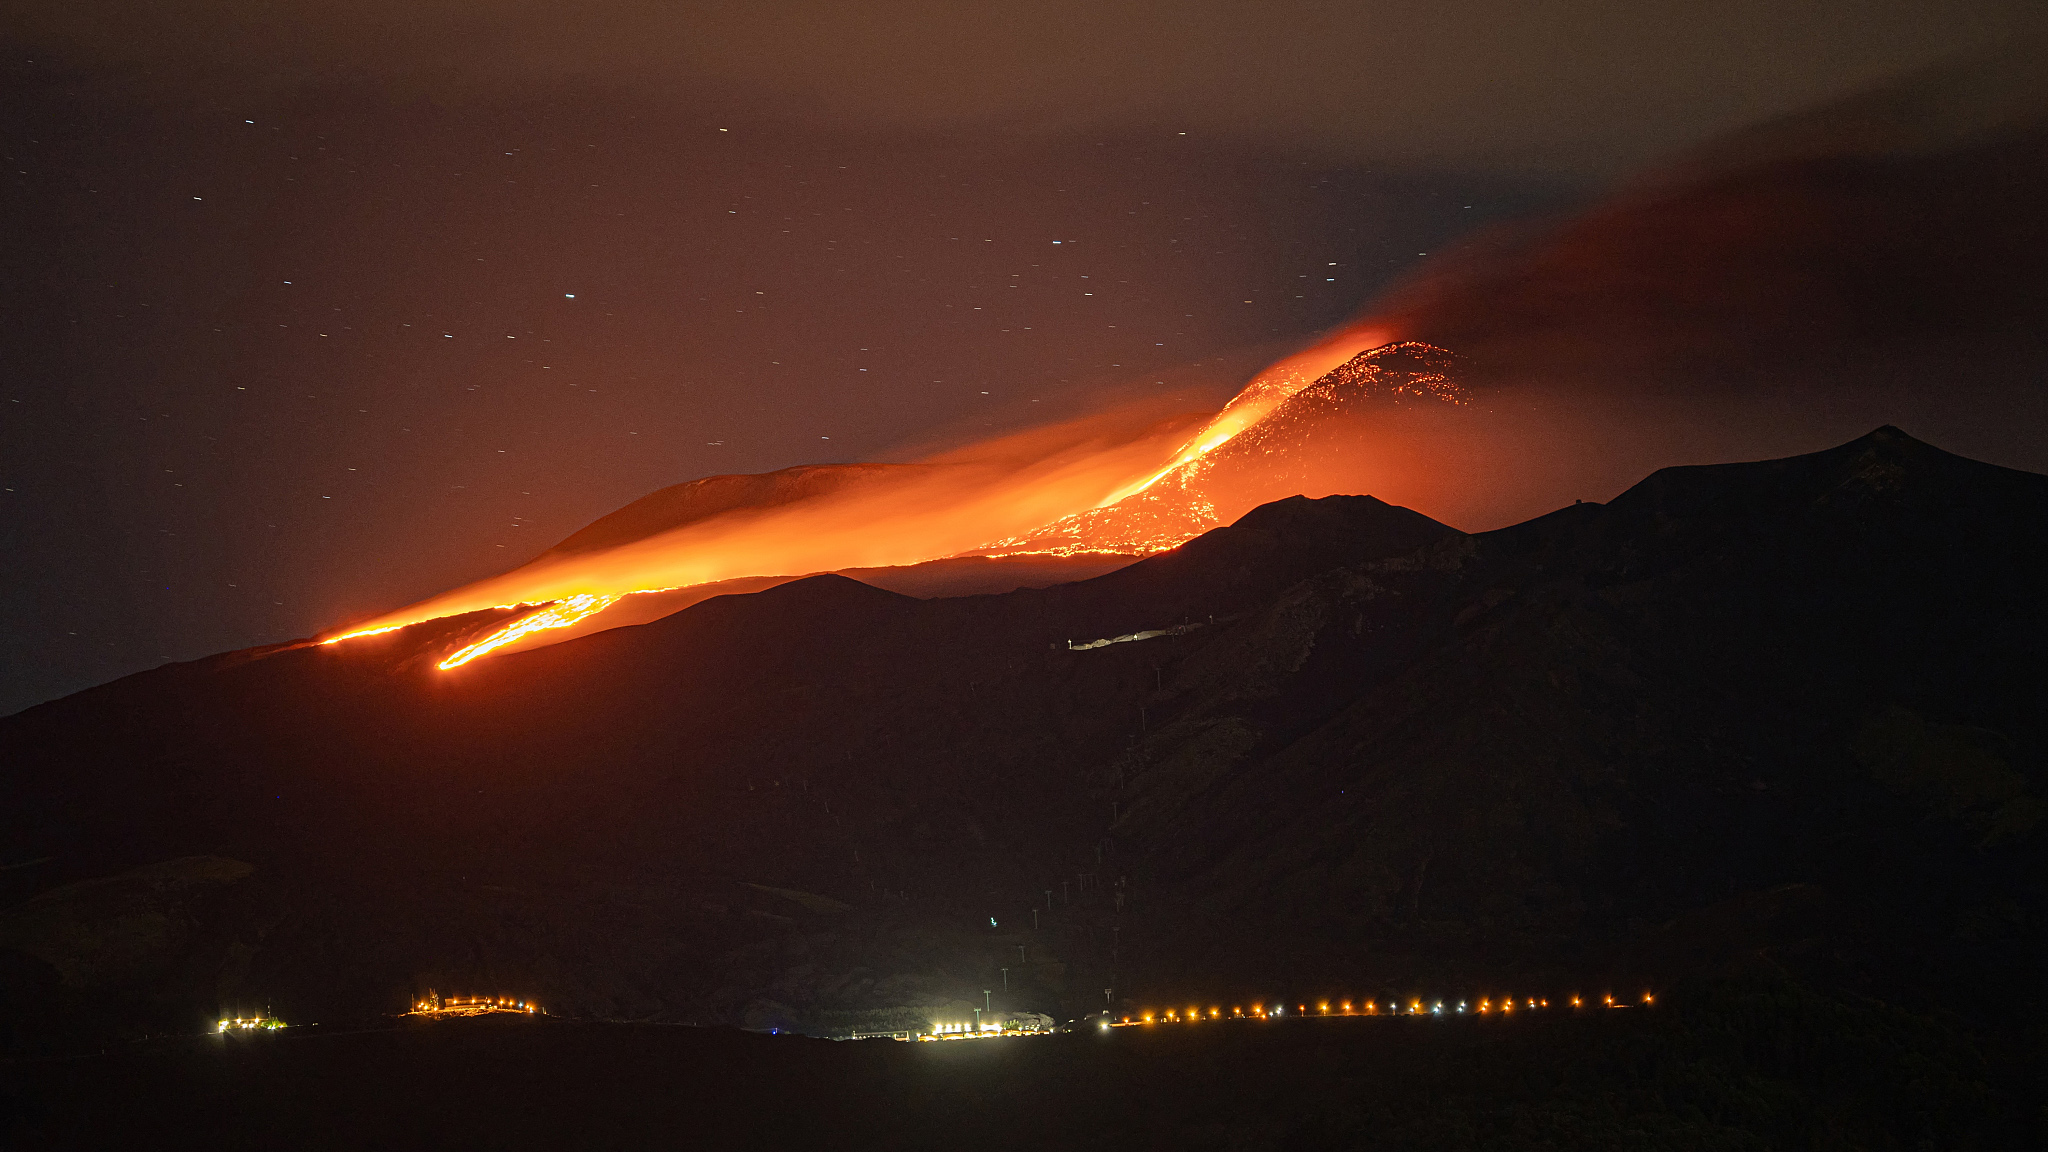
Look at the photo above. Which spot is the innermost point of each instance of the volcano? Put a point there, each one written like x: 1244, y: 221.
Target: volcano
x: 1132, y: 493
x: 1780, y: 713
x: 1293, y: 446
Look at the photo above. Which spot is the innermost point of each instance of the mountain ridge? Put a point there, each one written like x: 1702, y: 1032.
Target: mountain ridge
x: 1383, y: 754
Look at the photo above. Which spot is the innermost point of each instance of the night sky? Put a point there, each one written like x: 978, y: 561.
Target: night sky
x: 312, y: 314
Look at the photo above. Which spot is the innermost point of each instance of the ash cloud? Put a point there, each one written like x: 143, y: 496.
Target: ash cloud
x: 1577, y: 87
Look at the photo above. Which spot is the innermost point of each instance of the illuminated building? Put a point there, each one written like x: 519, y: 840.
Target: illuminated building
x: 433, y: 1006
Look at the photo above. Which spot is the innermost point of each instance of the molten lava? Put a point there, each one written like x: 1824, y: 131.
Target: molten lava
x: 559, y: 615
x: 1109, y: 484
x: 1267, y: 391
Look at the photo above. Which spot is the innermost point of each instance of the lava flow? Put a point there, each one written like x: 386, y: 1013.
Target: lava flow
x: 1120, y: 483
x: 1267, y: 391
x: 559, y: 615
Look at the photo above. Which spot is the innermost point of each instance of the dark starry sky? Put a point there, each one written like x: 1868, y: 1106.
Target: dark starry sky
x: 300, y: 331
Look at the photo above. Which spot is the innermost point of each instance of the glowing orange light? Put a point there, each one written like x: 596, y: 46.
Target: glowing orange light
x: 362, y: 632
x: 1003, y: 497
x: 559, y: 615
x: 1270, y: 389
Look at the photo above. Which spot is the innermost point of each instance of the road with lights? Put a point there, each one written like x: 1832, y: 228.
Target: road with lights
x: 1502, y: 1006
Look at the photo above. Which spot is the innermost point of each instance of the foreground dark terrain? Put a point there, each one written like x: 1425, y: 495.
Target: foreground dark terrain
x: 1750, y: 1064
x: 1770, y: 732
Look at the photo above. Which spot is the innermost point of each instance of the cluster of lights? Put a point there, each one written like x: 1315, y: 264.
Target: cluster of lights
x: 253, y: 1023
x: 473, y: 1006
x: 1487, y: 1006
x: 991, y: 1030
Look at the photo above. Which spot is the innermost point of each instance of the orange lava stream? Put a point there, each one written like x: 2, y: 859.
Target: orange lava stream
x: 376, y: 631
x: 559, y: 615
x: 1267, y: 391
x: 983, y: 500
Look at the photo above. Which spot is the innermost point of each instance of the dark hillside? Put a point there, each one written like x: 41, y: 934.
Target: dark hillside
x: 1781, y: 714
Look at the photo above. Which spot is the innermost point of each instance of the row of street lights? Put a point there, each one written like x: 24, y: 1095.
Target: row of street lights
x: 1486, y: 1006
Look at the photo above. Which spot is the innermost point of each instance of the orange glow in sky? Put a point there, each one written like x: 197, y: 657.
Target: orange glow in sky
x: 962, y: 502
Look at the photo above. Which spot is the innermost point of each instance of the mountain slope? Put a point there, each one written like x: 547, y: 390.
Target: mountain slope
x: 1550, y: 735
x: 1781, y: 710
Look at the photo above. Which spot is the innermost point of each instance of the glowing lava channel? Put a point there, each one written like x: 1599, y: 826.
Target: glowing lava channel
x: 1267, y: 391
x: 560, y: 614
x: 1029, y: 481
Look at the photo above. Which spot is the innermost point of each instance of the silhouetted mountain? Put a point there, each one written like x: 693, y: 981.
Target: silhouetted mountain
x: 1782, y: 714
